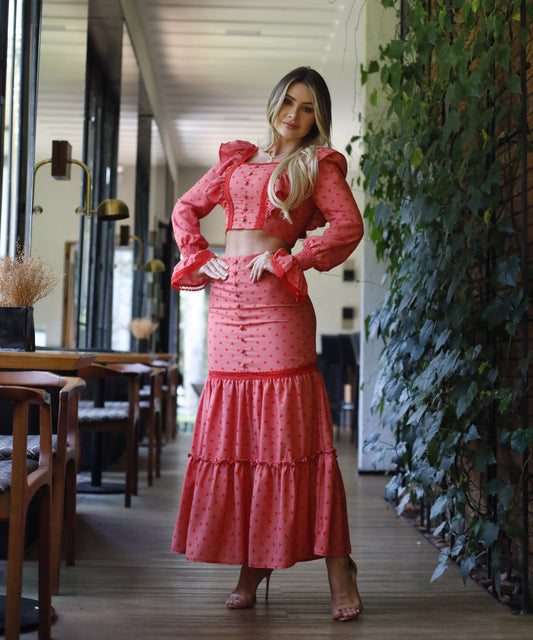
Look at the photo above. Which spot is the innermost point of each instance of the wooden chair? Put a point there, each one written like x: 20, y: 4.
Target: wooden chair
x: 151, y: 414
x: 120, y: 419
x: 65, y: 457
x: 21, y: 479
x: 170, y: 397
x: 154, y: 419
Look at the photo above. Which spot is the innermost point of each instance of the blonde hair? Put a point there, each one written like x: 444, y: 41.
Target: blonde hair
x: 302, y: 164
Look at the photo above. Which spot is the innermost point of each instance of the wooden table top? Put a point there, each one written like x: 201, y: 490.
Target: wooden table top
x: 46, y: 360
x: 124, y: 357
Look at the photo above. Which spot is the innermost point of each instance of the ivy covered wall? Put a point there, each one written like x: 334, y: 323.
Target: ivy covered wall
x: 446, y: 162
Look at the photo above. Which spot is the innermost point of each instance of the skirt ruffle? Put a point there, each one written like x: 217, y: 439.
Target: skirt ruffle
x: 263, y: 486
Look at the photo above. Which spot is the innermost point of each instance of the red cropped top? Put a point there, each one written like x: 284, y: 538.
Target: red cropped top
x: 240, y: 187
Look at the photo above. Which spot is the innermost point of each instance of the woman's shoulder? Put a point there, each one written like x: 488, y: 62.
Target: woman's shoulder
x: 330, y: 155
x: 235, y: 148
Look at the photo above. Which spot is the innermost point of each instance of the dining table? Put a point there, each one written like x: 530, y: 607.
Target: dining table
x: 123, y: 357
x: 47, y: 360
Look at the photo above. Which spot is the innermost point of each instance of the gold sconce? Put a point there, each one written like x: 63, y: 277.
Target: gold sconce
x: 124, y: 240
x: 61, y: 161
x: 153, y: 266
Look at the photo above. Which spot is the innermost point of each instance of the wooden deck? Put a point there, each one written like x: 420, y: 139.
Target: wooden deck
x: 127, y: 585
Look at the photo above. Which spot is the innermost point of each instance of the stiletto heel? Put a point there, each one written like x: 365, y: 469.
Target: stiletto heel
x: 244, y: 596
x: 268, y: 583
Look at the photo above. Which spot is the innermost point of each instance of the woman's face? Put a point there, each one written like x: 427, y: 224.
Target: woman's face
x: 297, y: 114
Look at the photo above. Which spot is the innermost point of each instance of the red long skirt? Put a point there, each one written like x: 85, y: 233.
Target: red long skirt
x: 262, y: 483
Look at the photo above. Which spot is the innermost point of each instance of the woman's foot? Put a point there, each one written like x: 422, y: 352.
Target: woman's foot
x: 244, y: 595
x: 345, y: 600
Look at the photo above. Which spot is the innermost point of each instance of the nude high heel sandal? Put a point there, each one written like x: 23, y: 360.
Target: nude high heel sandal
x: 354, y: 611
x: 241, y: 599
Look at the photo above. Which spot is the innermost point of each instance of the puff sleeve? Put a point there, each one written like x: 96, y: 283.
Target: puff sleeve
x: 334, y: 200
x: 194, y: 205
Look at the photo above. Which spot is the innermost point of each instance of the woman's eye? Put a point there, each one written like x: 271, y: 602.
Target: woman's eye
x: 287, y: 101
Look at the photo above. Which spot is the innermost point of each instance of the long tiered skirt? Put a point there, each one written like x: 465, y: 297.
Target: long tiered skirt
x: 262, y: 483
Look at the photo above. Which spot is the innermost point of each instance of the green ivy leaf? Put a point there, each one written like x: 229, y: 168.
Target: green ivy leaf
x: 507, y: 495
x: 508, y: 270
x: 494, y: 486
x: 382, y: 214
x: 522, y: 439
x: 472, y: 434
x: 489, y: 534
x: 467, y: 564
x: 439, y: 507
x: 484, y: 458
x: 442, y: 566
x: 514, y: 84
x: 466, y: 399
x: 416, y: 157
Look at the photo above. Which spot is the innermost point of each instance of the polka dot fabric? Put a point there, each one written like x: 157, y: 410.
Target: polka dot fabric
x: 262, y: 483
x: 257, y: 327
x: 241, y: 187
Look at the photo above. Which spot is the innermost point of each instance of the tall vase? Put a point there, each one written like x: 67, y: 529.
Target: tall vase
x: 17, y: 330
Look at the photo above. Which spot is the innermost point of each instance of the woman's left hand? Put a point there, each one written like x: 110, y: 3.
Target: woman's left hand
x: 259, y: 265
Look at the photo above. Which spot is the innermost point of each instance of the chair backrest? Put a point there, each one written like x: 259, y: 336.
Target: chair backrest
x: 69, y: 387
x: 132, y: 372
x: 25, y: 483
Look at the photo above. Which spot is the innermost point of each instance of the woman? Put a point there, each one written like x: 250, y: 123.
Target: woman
x: 262, y: 486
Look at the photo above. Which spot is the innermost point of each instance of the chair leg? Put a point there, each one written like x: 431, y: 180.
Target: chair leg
x: 70, y: 513
x: 135, y: 458
x: 174, y: 416
x: 129, y: 486
x: 57, y: 523
x: 45, y: 582
x: 166, y: 405
x: 158, y: 444
x: 15, y: 558
x: 150, y: 461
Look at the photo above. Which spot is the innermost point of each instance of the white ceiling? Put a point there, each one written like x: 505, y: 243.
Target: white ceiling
x: 208, y: 66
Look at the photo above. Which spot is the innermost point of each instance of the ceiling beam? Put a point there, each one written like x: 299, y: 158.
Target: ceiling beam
x: 149, y: 76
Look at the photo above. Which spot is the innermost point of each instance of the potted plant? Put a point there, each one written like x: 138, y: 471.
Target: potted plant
x: 24, y: 279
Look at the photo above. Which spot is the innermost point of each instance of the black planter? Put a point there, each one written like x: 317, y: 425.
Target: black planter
x: 17, y: 331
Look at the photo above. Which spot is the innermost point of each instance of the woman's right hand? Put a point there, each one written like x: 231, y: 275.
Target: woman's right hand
x: 215, y: 268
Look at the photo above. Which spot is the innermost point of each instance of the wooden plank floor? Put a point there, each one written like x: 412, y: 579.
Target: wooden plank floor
x: 128, y: 585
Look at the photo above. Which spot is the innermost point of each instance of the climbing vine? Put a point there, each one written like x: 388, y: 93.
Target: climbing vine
x: 441, y: 161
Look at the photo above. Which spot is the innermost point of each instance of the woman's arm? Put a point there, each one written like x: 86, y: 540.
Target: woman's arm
x: 334, y: 199
x: 194, y: 205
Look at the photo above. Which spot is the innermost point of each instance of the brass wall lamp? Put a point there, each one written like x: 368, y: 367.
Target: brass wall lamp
x: 153, y: 266
x: 124, y: 240
x: 61, y: 160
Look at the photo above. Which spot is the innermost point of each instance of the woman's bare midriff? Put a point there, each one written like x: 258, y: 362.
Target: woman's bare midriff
x: 244, y: 242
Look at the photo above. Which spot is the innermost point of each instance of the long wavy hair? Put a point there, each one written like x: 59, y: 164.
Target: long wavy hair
x: 302, y: 164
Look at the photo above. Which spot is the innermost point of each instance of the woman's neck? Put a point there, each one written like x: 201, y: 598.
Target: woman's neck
x: 280, y: 151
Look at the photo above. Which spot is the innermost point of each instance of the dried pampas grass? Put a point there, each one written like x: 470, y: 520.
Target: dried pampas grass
x: 25, y: 279
x: 143, y: 328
